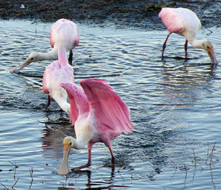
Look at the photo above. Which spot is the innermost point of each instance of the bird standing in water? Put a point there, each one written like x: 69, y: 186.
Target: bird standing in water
x: 185, y: 22
x: 57, y: 72
x: 103, y: 116
x: 63, y: 33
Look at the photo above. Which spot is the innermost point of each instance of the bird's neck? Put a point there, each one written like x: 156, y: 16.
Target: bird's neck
x: 62, y: 102
x: 194, y: 42
x: 66, y: 107
x: 198, y: 43
x: 51, y: 55
x: 79, y: 143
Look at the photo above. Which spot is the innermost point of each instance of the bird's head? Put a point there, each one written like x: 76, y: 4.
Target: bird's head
x: 33, y: 57
x: 207, y: 45
x: 67, y: 143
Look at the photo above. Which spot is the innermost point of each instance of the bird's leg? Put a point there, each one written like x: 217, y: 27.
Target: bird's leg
x: 49, y: 101
x: 89, y: 158
x: 88, y: 163
x: 164, y: 44
x: 70, y: 57
x: 185, y: 47
x: 112, y: 156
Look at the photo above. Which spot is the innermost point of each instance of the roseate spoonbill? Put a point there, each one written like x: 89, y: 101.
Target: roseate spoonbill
x: 103, y: 116
x: 55, y: 73
x: 63, y: 33
x: 185, y: 22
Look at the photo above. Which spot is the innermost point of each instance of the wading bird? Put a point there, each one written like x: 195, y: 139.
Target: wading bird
x: 103, y: 116
x: 185, y: 22
x: 57, y: 72
x: 63, y: 33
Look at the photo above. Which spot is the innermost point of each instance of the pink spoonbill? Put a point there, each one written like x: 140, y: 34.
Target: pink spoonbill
x: 103, y: 116
x: 63, y: 33
x: 185, y: 22
x: 57, y: 72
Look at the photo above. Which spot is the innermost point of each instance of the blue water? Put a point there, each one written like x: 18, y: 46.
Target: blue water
x: 175, y: 107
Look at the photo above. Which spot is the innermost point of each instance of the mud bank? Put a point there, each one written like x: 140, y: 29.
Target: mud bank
x: 120, y: 13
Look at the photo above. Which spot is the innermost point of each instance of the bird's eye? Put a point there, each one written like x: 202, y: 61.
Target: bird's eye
x: 70, y: 143
x: 32, y: 58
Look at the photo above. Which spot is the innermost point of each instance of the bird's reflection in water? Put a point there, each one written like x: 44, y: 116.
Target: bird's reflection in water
x: 91, y: 184
x: 53, y: 134
x: 184, y: 83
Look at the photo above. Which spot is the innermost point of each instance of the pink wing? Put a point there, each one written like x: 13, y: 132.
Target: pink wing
x: 74, y: 111
x: 58, y: 70
x: 110, y: 109
x: 53, y: 27
x: 76, y: 94
x: 171, y: 19
x: 44, y: 84
x: 48, y: 74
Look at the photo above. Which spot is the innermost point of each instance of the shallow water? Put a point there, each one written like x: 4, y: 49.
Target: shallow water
x: 175, y: 107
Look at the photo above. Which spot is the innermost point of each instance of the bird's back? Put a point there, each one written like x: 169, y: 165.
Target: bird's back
x: 57, y: 72
x: 179, y: 20
x: 64, y: 32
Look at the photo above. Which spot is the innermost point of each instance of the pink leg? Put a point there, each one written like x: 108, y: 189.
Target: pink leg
x: 89, y: 146
x: 164, y: 44
x: 89, y: 158
x: 185, y: 47
x: 112, y: 155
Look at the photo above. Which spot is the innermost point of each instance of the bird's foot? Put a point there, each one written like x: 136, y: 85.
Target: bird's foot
x: 46, y: 108
x: 81, y: 167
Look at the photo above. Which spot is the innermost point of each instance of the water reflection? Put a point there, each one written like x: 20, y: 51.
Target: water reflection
x: 184, y: 83
x: 105, y: 183
x: 175, y: 107
x: 53, y: 134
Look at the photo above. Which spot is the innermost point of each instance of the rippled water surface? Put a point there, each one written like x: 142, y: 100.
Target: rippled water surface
x: 175, y: 107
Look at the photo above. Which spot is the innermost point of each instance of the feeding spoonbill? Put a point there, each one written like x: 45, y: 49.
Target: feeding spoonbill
x: 103, y: 116
x: 63, y: 33
x: 57, y: 72
x: 185, y: 22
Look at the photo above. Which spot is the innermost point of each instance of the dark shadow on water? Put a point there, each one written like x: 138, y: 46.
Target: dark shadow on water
x: 31, y: 74
x: 164, y: 58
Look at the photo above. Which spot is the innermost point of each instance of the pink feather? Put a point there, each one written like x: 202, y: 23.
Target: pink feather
x: 64, y: 31
x: 103, y: 116
x: 170, y: 18
x: 108, y: 104
x: 110, y: 111
x: 57, y: 72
